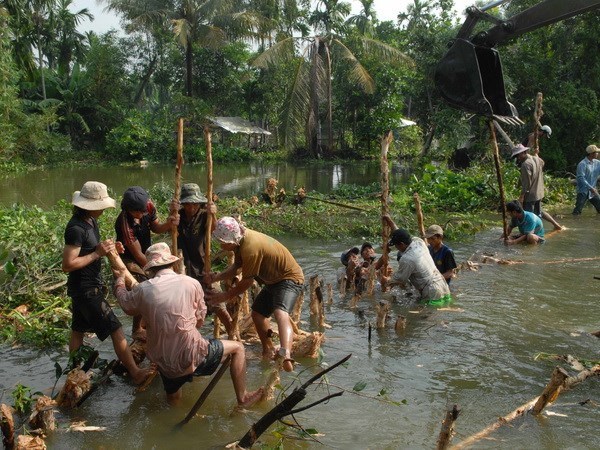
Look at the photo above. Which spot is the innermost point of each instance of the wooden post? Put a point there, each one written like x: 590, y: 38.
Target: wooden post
x: 209, y: 196
x: 177, y: 192
x: 386, y: 140
x: 537, y: 115
x: 551, y: 391
x: 419, y: 212
x: 500, y: 181
x: 447, y: 428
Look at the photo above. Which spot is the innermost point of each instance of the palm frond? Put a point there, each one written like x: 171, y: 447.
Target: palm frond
x: 297, y: 104
x: 358, y: 74
x: 282, y: 51
x: 181, y: 29
x: 212, y: 37
x: 386, y: 52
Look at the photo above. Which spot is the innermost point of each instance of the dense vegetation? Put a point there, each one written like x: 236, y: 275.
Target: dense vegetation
x: 326, y: 83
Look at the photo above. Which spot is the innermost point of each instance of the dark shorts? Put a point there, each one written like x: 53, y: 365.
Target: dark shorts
x: 91, y: 312
x: 207, y: 367
x: 282, y: 295
x: 534, y: 207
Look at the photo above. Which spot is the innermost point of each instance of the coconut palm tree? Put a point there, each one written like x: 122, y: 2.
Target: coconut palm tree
x: 207, y: 23
x: 68, y: 43
x: 313, y: 76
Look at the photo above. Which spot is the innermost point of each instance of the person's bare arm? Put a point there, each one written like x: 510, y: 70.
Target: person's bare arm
x: 136, y: 250
x: 72, y: 261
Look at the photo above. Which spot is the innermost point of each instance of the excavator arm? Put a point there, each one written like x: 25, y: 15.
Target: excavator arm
x: 470, y: 76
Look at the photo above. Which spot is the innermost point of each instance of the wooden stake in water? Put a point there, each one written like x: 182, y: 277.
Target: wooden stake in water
x: 499, y: 177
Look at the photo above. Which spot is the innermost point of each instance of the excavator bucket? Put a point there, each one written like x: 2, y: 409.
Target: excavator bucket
x: 470, y: 78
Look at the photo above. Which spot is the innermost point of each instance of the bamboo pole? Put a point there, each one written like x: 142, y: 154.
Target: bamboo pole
x: 177, y: 192
x: 500, y: 181
x: 419, y: 212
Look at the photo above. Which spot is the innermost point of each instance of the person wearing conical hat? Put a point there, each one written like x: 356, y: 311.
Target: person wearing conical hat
x: 82, y: 260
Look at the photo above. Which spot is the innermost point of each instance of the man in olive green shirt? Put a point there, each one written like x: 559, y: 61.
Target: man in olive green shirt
x: 266, y: 260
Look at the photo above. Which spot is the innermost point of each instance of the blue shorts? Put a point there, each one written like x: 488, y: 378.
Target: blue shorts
x: 282, y: 295
x: 206, y: 367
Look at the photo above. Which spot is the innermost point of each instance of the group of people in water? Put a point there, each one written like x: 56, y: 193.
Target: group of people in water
x: 168, y: 307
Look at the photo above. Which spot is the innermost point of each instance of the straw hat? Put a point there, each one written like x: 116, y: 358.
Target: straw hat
x: 93, y: 196
x: 159, y: 255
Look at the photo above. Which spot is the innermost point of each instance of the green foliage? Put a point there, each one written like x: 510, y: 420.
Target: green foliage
x: 142, y: 135
x: 23, y: 399
x: 31, y: 250
x: 442, y: 189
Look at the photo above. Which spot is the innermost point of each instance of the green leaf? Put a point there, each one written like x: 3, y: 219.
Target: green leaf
x: 382, y: 392
x: 359, y: 386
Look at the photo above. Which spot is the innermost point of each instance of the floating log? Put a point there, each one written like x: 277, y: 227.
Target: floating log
x: 342, y: 205
x: 447, y: 430
x: 286, y: 407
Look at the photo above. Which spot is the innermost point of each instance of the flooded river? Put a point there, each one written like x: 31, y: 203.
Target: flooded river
x: 480, y: 356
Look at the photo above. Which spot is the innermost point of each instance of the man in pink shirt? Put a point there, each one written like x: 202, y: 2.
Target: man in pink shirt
x: 173, y: 308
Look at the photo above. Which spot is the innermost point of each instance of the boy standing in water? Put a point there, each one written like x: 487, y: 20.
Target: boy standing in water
x: 81, y: 259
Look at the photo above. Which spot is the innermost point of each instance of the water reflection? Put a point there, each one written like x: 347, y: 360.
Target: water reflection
x: 44, y: 187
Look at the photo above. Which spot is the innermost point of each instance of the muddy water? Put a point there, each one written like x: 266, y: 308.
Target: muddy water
x: 481, y: 358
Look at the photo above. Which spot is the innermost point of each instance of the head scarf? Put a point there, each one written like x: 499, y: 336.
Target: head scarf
x: 229, y: 230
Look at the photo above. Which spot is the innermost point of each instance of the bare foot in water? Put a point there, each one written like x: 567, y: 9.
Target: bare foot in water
x: 140, y: 376
x: 285, y: 359
x: 251, y: 398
